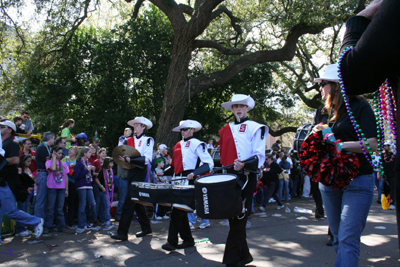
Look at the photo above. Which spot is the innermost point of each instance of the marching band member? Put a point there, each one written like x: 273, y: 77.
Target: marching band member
x: 239, y: 141
x: 185, y: 159
x: 144, y: 144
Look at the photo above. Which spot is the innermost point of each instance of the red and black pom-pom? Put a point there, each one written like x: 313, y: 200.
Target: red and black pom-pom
x: 323, y: 163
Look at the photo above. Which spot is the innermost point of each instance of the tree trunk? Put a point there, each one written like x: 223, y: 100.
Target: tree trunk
x: 176, y: 91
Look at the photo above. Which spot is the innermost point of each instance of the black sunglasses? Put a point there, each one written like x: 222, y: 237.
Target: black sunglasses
x: 4, y: 126
x: 324, y: 83
x: 184, y: 129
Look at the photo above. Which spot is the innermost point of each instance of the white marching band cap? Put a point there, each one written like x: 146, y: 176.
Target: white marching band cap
x: 330, y: 74
x: 239, y: 99
x: 188, y: 124
x: 141, y: 120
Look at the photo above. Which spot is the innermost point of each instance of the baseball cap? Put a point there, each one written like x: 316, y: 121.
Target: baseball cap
x: 162, y: 146
x: 9, y: 124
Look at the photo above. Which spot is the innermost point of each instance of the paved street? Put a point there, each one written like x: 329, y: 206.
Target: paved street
x: 273, y: 241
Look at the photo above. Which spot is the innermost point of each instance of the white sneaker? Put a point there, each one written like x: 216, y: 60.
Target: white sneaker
x: 24, y: 233
x: 165, y: 217
x: 271, y: 200
x: 204, y: 225
x: 39, y: 228
x: 191, y: 226
x: 280, y: 207
x: 108, y: 227
x: 392, y: 207
x: 158, y: 218
x: 261, y: 208
x: 80, y: 230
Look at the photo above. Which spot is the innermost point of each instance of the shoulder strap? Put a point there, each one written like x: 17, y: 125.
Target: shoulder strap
x: 262, y: 132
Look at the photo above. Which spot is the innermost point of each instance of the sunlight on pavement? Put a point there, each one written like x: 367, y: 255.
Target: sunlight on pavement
x: 313, y: 229
x: 375, y: 240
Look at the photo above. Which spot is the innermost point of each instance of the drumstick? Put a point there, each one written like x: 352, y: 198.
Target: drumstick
x: 230, y: 165
x: 222, y: 168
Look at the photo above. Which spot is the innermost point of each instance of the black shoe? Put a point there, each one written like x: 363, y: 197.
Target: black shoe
x: 168, y: 247
x: 185, y: 245
x: 330, y: 242
x: 319, y: 215
x: 379, y: 202
x: 117, y: 219
x: 246, y: 261
x: 143, y: 233
x: 119, y: 237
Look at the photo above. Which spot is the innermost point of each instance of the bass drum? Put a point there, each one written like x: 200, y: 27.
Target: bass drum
x: 301, y: 134
x: 218, y: 196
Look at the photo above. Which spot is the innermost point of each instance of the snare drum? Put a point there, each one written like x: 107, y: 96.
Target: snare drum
x: 179, y: 180
x: 218, y: 196
x: 183, y: 197
x: 149, y: 194
x: 301, y: 135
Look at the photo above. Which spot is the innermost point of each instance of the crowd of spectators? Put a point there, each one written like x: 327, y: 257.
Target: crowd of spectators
x: 69, y: 188
x: 76, y: 184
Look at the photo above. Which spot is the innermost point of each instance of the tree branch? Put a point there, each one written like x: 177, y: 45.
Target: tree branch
x: 220, y: 47
x: 289, y: 129
x: 313, y: 102
x: 137, y: 7
x: 234, y: 20
x: 70, y: 33
x: 188, y: 10
x: 173, y: 12
x: 16, y: 27
x: 202, y: 16
x: 285, y: 53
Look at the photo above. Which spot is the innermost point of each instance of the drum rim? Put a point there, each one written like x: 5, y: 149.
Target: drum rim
x: 235, y: 177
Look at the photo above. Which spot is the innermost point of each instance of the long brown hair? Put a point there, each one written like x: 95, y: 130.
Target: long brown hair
x: 339, y: 109
x: 67, y: 123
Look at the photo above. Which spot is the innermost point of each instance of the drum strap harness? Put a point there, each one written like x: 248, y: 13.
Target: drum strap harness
x: 243, y: 185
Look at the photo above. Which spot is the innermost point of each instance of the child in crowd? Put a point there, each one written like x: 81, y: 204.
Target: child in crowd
x: 57, y: 190
x: 160, y: 210
x: 83, y: 184
x: 106, y: 177
x: 24, y: 167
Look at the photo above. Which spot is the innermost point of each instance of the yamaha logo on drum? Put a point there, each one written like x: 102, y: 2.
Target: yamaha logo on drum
x: 143, y: 194
x: 205, y: 201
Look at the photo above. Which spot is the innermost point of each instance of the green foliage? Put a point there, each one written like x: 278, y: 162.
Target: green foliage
x: 255, y: 81
x: 105, y: 79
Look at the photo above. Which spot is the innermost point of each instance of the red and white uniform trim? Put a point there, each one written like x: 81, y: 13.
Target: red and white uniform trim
x: 144, y: 146
x: 186, y: 154
x: 241, y: 141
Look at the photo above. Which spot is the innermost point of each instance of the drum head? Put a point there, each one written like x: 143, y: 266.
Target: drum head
x: 217, y: 178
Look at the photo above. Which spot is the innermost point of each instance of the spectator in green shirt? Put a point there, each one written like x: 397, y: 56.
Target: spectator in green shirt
x: 66, y: 132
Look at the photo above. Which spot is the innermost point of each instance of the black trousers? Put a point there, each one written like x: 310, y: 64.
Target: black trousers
x: 319, y: 209
x: 130, y: 206
x: 236, y: 248
x: 179, y: 224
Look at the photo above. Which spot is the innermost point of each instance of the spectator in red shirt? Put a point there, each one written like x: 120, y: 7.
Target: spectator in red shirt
x: 26, y: 149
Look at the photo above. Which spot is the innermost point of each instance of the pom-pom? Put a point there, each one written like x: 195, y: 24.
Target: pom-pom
x: 321, y: 161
